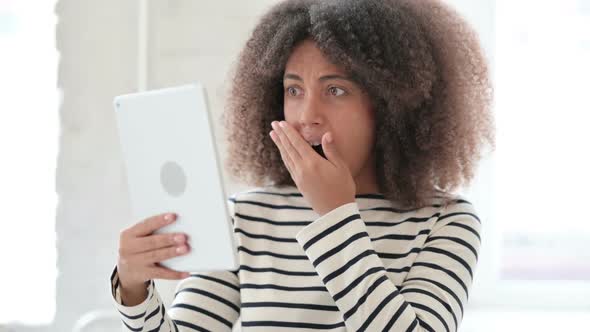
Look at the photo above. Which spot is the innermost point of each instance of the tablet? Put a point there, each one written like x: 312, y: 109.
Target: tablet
x: 172, y: 165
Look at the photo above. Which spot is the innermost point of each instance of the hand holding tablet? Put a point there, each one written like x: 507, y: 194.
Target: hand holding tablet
x: 140, y: 252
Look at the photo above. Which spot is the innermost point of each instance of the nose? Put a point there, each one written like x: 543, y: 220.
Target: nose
x: 310, y: 115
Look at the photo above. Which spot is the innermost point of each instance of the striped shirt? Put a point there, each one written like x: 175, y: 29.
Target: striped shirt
x: 364, y: 266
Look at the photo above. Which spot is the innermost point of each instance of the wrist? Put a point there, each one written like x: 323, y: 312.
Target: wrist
x: 134, y: 294
x: 335, y: 205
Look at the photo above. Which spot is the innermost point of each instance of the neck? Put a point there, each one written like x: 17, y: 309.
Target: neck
x: 366, y: 179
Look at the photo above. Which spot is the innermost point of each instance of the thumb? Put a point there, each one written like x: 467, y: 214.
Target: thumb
x: 330, y: 149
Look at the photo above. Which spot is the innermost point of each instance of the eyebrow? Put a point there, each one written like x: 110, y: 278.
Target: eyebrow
x: 323, y: 78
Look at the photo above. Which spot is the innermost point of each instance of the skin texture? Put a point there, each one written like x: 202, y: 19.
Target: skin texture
x: 421, y: 67
x: 320, y: 100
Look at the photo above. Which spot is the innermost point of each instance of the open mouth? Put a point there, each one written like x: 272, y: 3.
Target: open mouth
x: 318, y: 148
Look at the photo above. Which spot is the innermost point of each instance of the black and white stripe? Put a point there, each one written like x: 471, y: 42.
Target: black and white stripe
x: 366, y: 266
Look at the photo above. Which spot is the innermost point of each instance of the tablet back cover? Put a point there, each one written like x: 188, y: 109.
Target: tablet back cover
x: 172, y: 165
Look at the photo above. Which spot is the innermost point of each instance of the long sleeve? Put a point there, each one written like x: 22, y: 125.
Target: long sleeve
x: 202, y: 302
x: 206, y: 301
x: 435, y: 290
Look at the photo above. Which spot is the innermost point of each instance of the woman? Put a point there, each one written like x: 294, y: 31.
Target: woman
x: 356, y: 120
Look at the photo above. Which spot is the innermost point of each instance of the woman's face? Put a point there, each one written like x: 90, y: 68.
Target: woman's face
x: 320, y: 98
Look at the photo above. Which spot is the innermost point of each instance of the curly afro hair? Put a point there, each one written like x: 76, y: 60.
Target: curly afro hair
x: 419, y: 61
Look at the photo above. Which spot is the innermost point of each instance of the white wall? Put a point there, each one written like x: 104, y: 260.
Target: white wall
x: 97, y: 42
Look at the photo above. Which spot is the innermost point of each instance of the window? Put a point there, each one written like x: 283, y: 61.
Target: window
x: 531, y: 192
x: 534, y: 247
x: 28, y: 142
x: 542, y: 159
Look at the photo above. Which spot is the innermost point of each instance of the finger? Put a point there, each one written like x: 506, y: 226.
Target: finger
x: 330, y: 150
x: 284, y: 155
x: 300, y: 145
x: 159, y: 272
x: 156, y: 256
x: 286, y: 160
x: 287, y: 144
x: 149, y: 225
x: 157, y: 241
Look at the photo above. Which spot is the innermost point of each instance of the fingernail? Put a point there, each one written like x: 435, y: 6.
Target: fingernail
x: 168, y: 217
x: 181, y: 250
x: 282, y: 124
x: 179, y: 238
x: 329, y: 138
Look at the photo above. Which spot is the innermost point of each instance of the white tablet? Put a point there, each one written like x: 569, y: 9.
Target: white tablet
x: 172, y: 165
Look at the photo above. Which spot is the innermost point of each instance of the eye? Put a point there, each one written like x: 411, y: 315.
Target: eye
x: 335, y: 91
x: 291, y: 91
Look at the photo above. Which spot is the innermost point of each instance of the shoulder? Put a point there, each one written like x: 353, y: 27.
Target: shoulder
x: 266, y: 193
x: 457, y: 213
x: 269, y: 197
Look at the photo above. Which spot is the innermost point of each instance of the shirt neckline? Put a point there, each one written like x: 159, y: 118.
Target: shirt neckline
x: 363, y: 201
